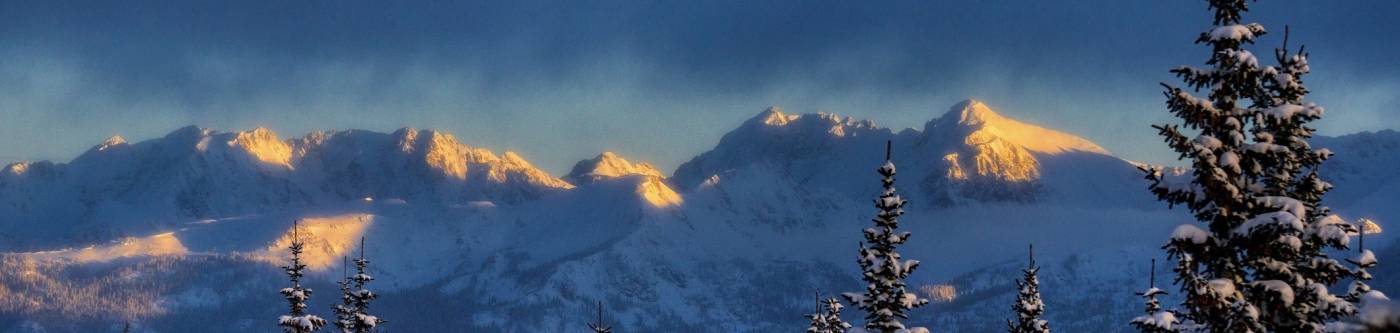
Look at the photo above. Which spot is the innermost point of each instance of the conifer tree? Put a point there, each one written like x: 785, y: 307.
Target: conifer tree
x: 1028, y: 307
x: 826, y: 317
x: 1377, y: 313
x: 598, y: 326
x: 1260, y: 264
x: 885, y: 299
x: 297, y: 320
x: 1364, y: 261
x: 345, y: 311
x: 360, y: 297
x: 1155, y: 319
x: 818, y: 317
x: 834, y: 324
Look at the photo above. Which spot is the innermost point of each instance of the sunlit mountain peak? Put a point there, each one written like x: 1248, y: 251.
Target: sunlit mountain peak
x: 263, y: 145
x: 111, y: 142
x: 774, y: 115
x: 609, y: 165
x: 973, y: 118
x: 651, y: 185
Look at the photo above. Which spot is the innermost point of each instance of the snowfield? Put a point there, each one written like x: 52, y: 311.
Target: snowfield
x: 184, y: 233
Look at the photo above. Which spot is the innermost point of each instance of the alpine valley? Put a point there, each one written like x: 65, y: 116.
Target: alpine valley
x: 185, y: 233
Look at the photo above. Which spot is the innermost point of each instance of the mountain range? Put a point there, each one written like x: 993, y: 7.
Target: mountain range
x: 185, y: 232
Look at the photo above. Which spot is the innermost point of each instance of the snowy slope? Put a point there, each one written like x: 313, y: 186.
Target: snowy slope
x: 183, y: 231
x: 1364, y: 171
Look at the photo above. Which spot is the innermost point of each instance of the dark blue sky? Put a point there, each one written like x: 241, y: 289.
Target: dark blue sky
x: 659, y: 81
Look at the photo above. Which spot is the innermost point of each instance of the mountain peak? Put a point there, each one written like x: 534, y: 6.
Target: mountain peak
x: 776, y: 136
x: 610, y: 169
x: 976, y: 121
x: 774, y: 116
x: 609, y: 165
x: 264, y: 145
x: 973, y: 112
x: 21, y: 168
x: 114, y: 142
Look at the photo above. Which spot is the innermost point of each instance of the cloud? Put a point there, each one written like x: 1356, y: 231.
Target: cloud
x: 657, y: 82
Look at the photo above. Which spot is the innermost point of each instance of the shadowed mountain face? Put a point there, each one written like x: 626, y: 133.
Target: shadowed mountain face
x: 182, y: 231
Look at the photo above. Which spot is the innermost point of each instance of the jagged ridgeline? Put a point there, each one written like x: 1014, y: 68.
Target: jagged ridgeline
x: 178, y: 232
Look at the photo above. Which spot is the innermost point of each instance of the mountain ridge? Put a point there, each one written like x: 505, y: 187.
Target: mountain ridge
x: 967, y: 154
x: 768, y: 215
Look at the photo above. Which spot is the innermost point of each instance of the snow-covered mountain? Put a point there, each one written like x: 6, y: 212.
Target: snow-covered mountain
x: 609, y: 165
x: 119, y: 188
x: 968, y: 154
x: 183, y: 233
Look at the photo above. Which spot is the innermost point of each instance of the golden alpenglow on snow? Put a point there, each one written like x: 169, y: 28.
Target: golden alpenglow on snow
x: 263, y: 145
x: 609, y: 167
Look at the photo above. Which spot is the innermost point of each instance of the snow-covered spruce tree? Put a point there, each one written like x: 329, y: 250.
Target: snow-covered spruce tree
x: 297, y: 320
x: 345, y: 311
x: 1155, y: 319
x: 1259, y: 265
x: 1028, y: 306
x: 885, y: 300
x: 1376, y: 312
x: 833, y: 323
x: 1291, y: 172
x: 818, y: 317
x: 1364, y: 261
x: 826, y: 317
x: 598, y: 326
x: 363, y: 322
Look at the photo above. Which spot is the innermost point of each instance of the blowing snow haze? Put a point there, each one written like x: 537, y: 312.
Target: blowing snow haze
x: 531, y: 166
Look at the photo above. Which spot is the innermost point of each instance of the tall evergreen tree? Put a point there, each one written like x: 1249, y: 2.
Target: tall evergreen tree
x: 885, y: 299
x: 1028, y: 307
x: 818, y: 317
x: 360, y: 297
x: 345, y: 311
x: 598, y: 326
x: 1155, y: 319
x: 297, y: 320
x: 826, y: 316
x: 1260, y: 263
